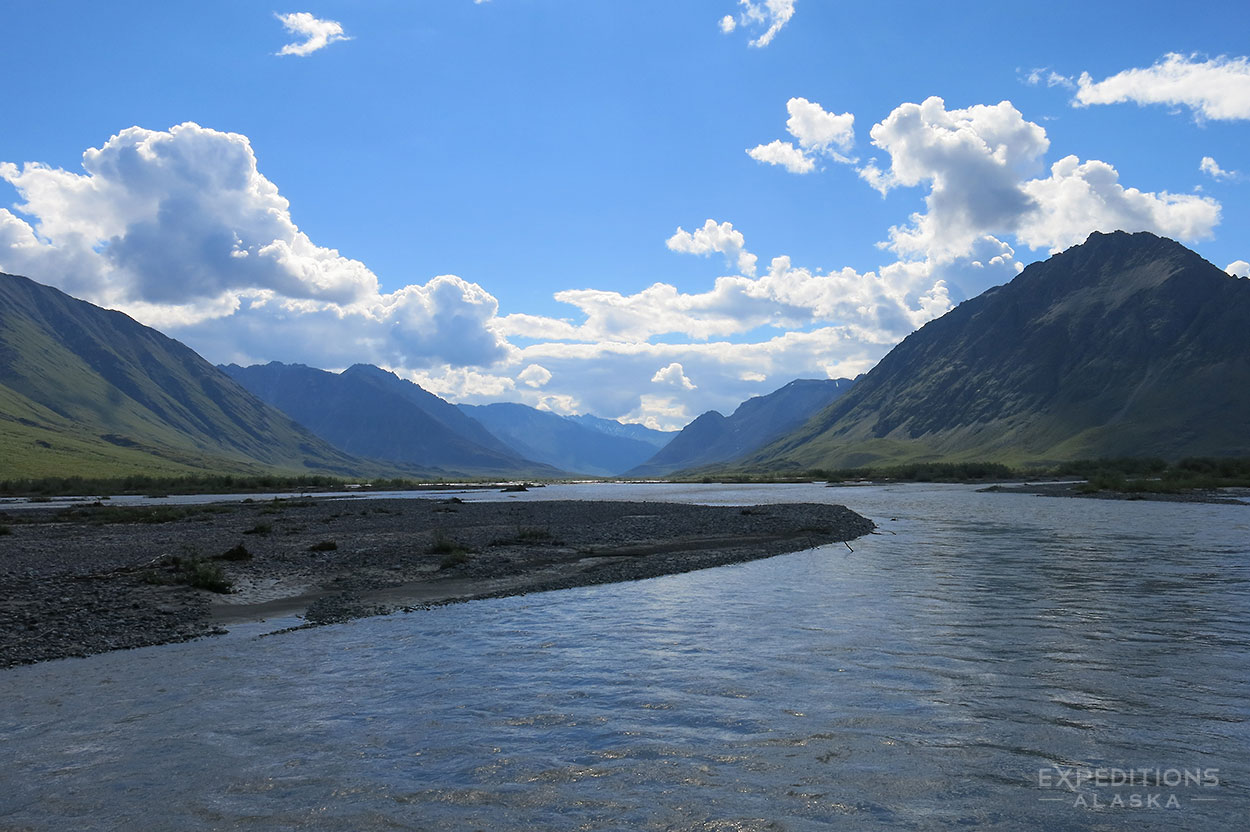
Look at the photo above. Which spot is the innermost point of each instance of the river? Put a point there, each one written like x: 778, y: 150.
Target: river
x: 989, y: 661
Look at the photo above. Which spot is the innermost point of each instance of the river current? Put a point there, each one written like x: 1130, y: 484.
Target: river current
x: 987, y: 661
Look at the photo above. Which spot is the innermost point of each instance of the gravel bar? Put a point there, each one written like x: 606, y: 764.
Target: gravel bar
x: 89, y: 579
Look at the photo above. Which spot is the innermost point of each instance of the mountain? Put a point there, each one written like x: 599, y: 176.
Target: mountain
x: 1126, y: 345
x: 656, y: 438
x: 439, y: 409
x: 560, y: 441
x: 713, y: 438
x: 91, y: 392
x: 370, y: 412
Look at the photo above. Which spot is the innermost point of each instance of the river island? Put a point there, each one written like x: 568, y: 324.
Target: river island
x: 92, y: 578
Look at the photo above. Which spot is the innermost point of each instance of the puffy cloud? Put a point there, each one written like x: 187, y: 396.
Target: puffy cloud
x: 446, y: 321
x: 611, y: 376
x: 818, y: 133
x: 673, y: 376
x: 535, y: 375
x: 715, y: 237
x: 462, y: 384
x: 180, y: 229
x: 772, y: 14
x: 659, y: 413
x: 1079, y: 198
x: 317, y: 34
x: 1212, y: 168
x: 885, y: 306
x: 976, y: 162
x: 1217, y: 88
x: 1238, y: 268
x: 785, y: 154
x: 788, y: 323
x: 973, y: 160
x: 179, y: 215
x: 817, y: 130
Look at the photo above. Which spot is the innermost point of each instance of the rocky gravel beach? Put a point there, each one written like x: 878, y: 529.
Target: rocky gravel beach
x: 93, y: 578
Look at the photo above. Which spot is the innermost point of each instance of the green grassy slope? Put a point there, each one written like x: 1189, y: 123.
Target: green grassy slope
x: 88, y: 391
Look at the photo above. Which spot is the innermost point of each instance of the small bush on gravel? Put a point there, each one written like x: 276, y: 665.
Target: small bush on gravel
x: 260, y: 528
x: 453, y: 559
x: 203, y: 574
x: 444, y: 545
x: 324, y: 546
x: 5, y: 530
x: 239, y: 552
x: 535, y: 535
x: 196, y: 572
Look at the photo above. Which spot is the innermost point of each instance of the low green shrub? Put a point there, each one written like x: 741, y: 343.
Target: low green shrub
x: 239, y: 552
x: 453, y: 559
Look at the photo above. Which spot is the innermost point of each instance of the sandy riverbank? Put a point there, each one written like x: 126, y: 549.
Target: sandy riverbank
x: 92, y: 579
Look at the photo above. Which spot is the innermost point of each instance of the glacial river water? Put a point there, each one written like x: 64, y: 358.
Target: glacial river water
x: 985, y: 661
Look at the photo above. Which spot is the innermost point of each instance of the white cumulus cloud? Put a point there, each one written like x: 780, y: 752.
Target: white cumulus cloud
x: 1081, y: 197
x: 673, y: 375
x: 1212, y: 168
x: 1238, y: 268
x: 977, y: 164
x: 819, y: 133
x: 535, y: 375
x: 1216, y: 88
x: 317, y: 34
x: 818, y: 130
x: 785, y: 154
x: 715, y: 237
x: 180, y: 229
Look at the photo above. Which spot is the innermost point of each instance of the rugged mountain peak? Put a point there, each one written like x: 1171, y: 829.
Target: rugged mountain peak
x: 713, y: 438
x: 1126, y: 345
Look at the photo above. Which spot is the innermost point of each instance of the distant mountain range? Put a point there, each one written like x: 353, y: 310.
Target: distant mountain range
x: 370, y: 412
x: 655, y: 438
x: 1126, y: 345
x: 712, y: 438
x: 576, y: 444
x: 90, y: 392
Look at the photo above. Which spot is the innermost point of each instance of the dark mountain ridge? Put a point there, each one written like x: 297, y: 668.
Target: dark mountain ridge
x: 1126, y: 345
x: 713, y: 438
x: 91, y: 392
x: 371, y: 412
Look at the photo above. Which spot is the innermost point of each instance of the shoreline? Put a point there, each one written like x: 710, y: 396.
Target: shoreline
x: 1224, y: 496
x: 90, y: 579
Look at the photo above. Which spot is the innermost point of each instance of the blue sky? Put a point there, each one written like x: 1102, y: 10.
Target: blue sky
x: 484, y: 196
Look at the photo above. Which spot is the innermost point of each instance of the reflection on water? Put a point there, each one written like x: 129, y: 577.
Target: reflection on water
x: 918, y: 682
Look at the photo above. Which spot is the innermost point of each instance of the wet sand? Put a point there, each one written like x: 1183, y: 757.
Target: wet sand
x: 96, y: 578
